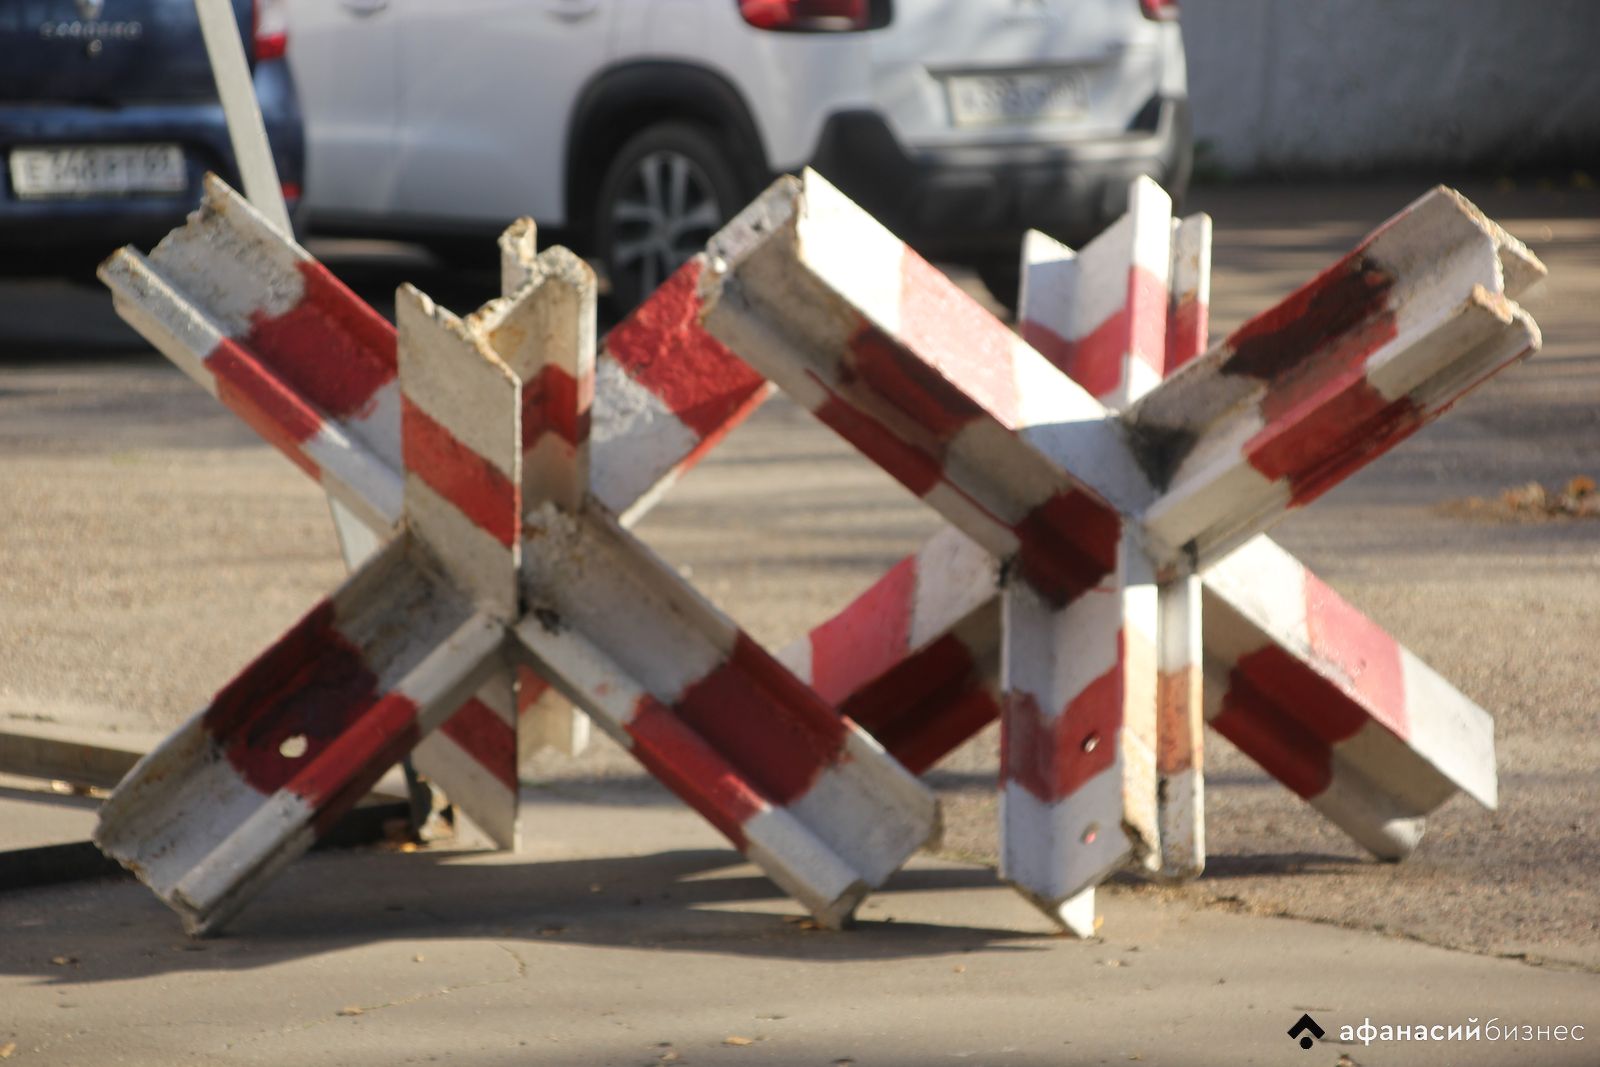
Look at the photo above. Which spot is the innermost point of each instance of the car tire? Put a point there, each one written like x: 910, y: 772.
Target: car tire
x: 666, y: 191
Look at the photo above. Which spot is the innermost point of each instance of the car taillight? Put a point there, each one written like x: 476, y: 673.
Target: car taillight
x: 271, y: 27
x: 1161, y: 10
x: 809, y: 15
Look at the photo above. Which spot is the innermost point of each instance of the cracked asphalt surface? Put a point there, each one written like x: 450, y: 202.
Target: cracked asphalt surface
x: 151, y: 546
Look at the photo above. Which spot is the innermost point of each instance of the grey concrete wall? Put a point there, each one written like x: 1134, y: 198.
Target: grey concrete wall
x: 1339, y: 86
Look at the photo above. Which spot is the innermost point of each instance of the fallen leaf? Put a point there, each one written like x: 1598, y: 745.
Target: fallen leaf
x: 64, y: 961
x: 670, y: 1056
x: 7, y: 1049
x: 352, y: 1010
x: 844, y: 1062
x: 734, y: 1039
x: 417, y: 959
x: 1582, y: 485
x: 1530, y: 497
x: 960, y: 968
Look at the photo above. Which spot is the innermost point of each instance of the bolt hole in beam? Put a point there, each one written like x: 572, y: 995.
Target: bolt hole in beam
x: 1090, y: 833
x: 1091, y: 742
x: 293, y: 747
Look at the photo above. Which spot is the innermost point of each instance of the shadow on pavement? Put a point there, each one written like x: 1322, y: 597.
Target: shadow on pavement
x: 702, y: 901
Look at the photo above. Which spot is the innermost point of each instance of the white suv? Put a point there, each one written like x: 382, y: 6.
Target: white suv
x: 631, y: 129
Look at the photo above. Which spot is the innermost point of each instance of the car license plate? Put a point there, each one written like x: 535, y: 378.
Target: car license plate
x: 1042, y: 96
x: 97, y: 170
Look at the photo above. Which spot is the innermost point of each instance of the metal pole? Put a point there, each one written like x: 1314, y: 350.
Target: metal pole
x: 261, y: 187
x: 238, y: 95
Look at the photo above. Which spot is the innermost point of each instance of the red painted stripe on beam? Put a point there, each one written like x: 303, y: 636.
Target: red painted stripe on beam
x: 765, y: 721
x: 356, y: 760
x: 942, y: 726
x: 867, y: 638
x: 927, y: 705
x: 734, y: 410
x: 486, y: 737
x: 899, y: 378
x: 1094, y: 360
x: 477, y: 487
x: 1284, y: 343
x: 530, y: 687
x: 906, y: 464
x: 330, y: 347
x: 1323, y: 440
x: 1367, y: 657
x: 1068, y: 544
x: 1187, y: 329
x: 1285, y: 717
x: 1054, y: 758
x: 275, y: 412
x: 1299, y: 692
x: 955, y: 338
x: 663, y: 347
x: 693, y: 770
x: 1323, y: 420
x: 1146, y: 309
x: 1176, y: 751
x: 555, y: 403
x: 310, y: 683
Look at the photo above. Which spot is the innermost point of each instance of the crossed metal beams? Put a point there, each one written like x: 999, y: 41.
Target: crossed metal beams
x: 667, y: 391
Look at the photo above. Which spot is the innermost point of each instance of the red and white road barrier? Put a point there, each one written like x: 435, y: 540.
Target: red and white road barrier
x: 465, y: 421
x: 1101, y: 315
x: 298, y: 737
x: 492, y: 427
x: 272, y: 334
x: 669, y: 390
x: 1118, y: 318
x: 885, y: 350
x: 914, y: 660
x: 801, y: 790
x: 1089, y: 505
x: 1102, y: 612
x: 1353, y: 363
x: 305, y: 731
x: 268, y: 330
x: 1332, y: 706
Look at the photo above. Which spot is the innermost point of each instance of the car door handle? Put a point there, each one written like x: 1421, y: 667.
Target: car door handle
x: 362, y: 8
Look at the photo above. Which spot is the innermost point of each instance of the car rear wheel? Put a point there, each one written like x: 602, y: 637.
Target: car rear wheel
x: 665, y: 193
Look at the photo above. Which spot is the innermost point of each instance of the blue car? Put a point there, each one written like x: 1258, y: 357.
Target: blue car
x: 109, y: 119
